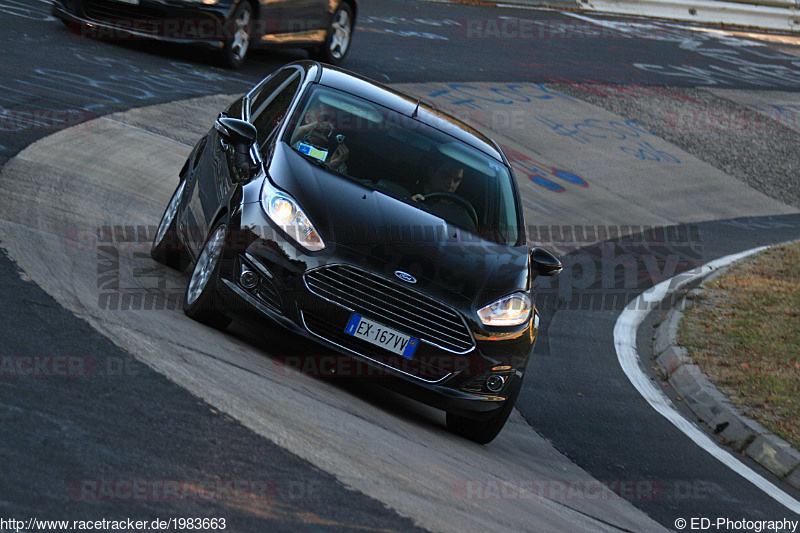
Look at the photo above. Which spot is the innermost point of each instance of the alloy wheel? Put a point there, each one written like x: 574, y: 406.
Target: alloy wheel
x: 206, y: 264
x: 341, y: 29
x: 241, y: 37
x: 169, y: 214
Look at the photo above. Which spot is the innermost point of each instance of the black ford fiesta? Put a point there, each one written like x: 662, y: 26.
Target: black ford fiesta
x: 371, y: 223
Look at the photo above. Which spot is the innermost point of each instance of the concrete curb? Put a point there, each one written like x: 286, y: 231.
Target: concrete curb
x: 773, y: 15
x: 706, y: 402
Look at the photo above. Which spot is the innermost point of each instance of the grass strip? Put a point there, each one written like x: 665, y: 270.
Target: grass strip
x: 744, y: 332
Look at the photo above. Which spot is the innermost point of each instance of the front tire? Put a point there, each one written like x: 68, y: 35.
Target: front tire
x: 241, y: 22
x: 167, y: 248
x: 337, y: 40
x: 485, y: 430
x: 200, y: 302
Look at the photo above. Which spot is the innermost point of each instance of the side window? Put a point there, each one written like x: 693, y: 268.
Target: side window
x: 271, y: 104
x: 269, y: 86
x: 235, y: 109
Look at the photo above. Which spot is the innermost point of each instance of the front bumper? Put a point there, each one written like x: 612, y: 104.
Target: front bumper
x: 450, y: 379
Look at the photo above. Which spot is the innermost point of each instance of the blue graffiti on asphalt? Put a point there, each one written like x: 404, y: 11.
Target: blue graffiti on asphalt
x: 648, y: 152
x: 509, y: 94
x: 591, y: 129
x: 788, y: 115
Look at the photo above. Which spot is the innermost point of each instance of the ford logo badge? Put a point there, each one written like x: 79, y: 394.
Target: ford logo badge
x: 405, y: 276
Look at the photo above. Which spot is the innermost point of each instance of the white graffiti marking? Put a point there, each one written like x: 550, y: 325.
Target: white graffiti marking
x: 121, y: 82
x: 762, y: 75
x: 23, y: 10
x: 735, y: 66
x: 420, y: 34
x: 410, y: 22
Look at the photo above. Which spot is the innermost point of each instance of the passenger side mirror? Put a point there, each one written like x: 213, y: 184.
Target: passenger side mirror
x: 544, y: 263
x: 240, y: 135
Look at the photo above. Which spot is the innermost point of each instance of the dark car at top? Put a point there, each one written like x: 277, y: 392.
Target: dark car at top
x: 430, y: 289
x: 230, y: 28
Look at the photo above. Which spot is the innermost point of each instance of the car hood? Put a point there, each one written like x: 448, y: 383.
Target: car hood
x: 384, y: 235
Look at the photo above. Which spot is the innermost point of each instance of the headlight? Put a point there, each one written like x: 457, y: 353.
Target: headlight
x: 512, y: 310
x: 285, y: 212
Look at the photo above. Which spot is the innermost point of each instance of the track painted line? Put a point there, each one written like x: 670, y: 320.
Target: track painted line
x: 625, y: 344
x: 529, y: 8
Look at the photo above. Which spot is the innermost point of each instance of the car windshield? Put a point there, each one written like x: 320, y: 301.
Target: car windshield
x: 407, y: 160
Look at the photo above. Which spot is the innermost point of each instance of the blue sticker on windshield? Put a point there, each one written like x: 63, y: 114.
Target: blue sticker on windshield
x: 313, y: 151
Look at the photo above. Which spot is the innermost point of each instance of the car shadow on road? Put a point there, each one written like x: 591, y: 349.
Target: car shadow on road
x: 293, y: 355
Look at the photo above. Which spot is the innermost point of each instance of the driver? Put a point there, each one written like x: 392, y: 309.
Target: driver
x: 444, y: 176
x: 316, y: 130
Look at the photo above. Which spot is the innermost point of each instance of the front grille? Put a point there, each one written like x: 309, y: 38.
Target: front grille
x: 393, y: 304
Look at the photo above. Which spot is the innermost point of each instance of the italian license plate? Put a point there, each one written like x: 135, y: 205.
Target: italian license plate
x: 380, y: 335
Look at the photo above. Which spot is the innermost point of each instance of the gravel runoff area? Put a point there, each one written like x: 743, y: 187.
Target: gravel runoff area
x: 736, y: 139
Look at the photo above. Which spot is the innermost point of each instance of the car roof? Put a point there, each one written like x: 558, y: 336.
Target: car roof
x: 378, y: 93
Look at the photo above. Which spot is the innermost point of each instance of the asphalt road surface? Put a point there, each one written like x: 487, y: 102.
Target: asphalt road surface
x: 598, y: 112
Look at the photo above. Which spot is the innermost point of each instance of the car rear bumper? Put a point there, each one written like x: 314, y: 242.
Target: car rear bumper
x: 103, y: 20
x: 207, y: 26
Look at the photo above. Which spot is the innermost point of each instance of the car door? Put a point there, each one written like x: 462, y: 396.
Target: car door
x: 212, y: 186
x: 295, y: 16
x: 197, y: 216
x: 209, y: 187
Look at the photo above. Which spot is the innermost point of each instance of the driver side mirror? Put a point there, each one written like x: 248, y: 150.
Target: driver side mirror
x: 235, y: 131
x: 544, y: 263
x: 240, y: 135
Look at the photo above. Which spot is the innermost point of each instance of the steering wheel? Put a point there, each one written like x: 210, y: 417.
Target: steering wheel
x: 456, y: 199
